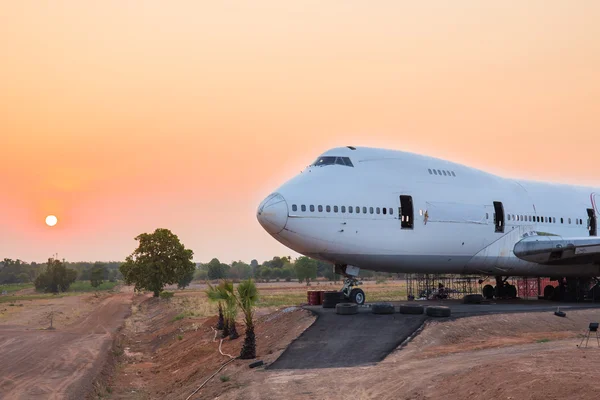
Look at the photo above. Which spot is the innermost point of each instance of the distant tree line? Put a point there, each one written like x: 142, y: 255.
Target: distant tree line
x: 303, y: 269
x: 18, y: 271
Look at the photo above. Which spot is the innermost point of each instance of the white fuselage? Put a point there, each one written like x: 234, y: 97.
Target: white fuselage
x: 453, y: 226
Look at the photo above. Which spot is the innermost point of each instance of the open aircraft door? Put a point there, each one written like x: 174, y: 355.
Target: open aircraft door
x: 593, y: 215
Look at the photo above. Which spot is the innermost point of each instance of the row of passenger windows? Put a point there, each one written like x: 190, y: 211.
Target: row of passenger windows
x: 441, y: 172
x: 344, y: 209
x: 535, y: 218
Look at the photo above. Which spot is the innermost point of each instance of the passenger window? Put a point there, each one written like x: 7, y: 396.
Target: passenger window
x: 391, y: 211
x: 350, y: 209
x: 335, y: 209
x: 364, y: 210
x: 358, y: 210
x: 328, y: 208
x: 303, y: 208
x: 509, y: 217
x: 569, y: 220
x: 444, y: 172
x: 439, y: 172
x: 312, y: 208
x: 384, y: 211
x: 371, y: 210
x: 562, y: 221
x: 453, y: 174
x: 294, y: 208
x: 430, y: 173
x: 487, y: 216
x: 378, y: 210
x: 434, y: 172
x: 343, y: 209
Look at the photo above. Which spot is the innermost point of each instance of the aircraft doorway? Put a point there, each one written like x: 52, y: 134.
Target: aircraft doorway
x: 592, y: 222
x: 499, y: 216
x: 406, y: 212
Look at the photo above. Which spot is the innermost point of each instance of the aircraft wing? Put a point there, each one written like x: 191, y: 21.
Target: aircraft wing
x: 558, y: 250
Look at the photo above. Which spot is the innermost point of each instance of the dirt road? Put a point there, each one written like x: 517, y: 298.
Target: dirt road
x: 61, y: 363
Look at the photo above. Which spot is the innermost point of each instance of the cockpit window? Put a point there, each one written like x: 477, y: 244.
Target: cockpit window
x: 330, y: 160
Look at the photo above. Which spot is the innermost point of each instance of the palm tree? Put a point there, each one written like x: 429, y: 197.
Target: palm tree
x: 216, y: 294
x: 247, y: 296
x: 224, y: 294
x: 230, y: 310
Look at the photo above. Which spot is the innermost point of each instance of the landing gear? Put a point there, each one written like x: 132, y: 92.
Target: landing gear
x: 357, y: 296
x: 350, y: 292
x: 502, y: 290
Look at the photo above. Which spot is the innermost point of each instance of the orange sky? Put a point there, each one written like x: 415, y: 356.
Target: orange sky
x: 121, y: 117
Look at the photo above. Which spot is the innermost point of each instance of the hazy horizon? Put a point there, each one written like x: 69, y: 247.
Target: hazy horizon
x: 120, y: 118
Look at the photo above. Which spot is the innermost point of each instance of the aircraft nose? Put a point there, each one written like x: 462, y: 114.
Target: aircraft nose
x: 273, y: 213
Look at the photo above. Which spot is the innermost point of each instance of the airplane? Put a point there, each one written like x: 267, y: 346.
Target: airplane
x: 400, y: 212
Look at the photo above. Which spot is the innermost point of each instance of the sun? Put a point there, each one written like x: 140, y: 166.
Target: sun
x: 51, y: 220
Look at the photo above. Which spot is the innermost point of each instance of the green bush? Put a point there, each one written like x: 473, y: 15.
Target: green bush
x: 179, y: 317
x: 166, y: 295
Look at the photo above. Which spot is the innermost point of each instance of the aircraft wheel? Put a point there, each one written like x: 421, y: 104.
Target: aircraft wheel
x: 511, y: 291
x: 357, y: 296
x: 548, y: 292
x: 488, y: 292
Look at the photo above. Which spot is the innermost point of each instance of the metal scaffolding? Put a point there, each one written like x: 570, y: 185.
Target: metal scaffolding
x: 441, y: 286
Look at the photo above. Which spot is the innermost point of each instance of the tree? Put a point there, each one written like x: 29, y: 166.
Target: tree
x: 217, y: 270
x: 240, y: 270
x: 306, y: 269
x: 186, y: 279
x: 112, y: 275
x: 160, y: 259
x: 224, y: 294
x: 200, y: 275
x: 55, y: 278
x: 97, y: 276
x: 288, y: 272
x: 247, y: 296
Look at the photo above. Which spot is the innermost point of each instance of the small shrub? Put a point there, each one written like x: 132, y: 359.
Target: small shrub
x: 224, y: 378
x: 179, y: 317
x: 380, y: 281
x: 179, y: 337
x: 166, y: 295
x: 543, y: 340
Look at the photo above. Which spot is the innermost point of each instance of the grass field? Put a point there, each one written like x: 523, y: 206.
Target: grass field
x: 15, y: 287
x: 77, y: 287
x: 86, y: 286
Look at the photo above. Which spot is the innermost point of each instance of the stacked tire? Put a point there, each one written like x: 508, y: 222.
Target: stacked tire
x: 473, y: 299
x: 412, y: 309
x: 332, y: 299
x: 346, y: 308
x: 383, y: 308
x: 437, y: 311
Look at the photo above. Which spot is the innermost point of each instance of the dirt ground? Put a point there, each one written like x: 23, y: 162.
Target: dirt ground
x: 512, y: 356
x: 167, y: 358
x: 38, y: 363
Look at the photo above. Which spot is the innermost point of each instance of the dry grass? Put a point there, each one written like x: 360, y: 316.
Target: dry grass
x: 195, y: 303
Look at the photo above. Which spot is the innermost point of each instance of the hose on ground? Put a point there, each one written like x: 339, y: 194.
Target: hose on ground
x: 231, y: 359
x: 212, y: 376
